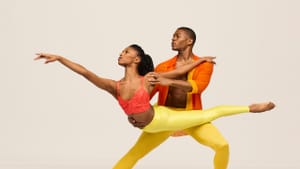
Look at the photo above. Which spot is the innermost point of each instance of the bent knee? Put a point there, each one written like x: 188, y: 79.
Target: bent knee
x: 222, y: 146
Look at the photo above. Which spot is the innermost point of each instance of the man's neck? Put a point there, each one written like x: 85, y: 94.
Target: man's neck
x: 185, y: 55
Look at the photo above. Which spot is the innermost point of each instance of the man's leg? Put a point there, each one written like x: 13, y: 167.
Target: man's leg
x: 207, y: 134
x: 145, y: 143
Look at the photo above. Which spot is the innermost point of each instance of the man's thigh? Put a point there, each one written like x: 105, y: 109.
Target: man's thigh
x: 207, y: 134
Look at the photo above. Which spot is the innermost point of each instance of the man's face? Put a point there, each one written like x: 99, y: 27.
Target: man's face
x: 180, y: 40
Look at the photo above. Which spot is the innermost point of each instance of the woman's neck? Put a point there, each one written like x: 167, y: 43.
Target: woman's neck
x: 131, y: 74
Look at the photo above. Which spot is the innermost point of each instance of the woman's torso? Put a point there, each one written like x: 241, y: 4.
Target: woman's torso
x: 134, y: 99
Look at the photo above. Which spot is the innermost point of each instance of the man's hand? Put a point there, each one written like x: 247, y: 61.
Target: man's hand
x: 209, y: 59
x: 155, y: 79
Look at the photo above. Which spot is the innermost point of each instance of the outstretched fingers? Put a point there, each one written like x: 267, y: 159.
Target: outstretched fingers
x: 210, y: 59
x: 49, y: 57
x: 39, y: 56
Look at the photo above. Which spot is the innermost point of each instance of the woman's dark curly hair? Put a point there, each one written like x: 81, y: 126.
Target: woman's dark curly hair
x: 146, y: 64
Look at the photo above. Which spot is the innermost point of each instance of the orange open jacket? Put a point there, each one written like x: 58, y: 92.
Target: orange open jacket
x: 199, y: 78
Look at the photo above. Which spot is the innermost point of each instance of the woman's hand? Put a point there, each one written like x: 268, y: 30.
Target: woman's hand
x: 48, y: 57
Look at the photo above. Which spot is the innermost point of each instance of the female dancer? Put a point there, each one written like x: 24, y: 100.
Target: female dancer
x: 132, y: 93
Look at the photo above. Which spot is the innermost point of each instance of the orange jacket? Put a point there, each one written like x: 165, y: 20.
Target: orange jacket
x: 199, y: 78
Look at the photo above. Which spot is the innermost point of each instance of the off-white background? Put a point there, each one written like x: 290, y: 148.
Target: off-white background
x: 51, y: 118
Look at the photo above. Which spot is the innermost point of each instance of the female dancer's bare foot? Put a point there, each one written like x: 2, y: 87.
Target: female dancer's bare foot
x: 261, y: 107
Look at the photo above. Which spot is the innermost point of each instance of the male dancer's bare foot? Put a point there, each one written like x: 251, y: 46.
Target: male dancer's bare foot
x: 261, y: 107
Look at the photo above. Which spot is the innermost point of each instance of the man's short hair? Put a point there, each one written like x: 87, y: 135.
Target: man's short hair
x: 189, y: 32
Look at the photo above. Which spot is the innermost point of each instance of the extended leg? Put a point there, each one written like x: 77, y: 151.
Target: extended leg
x: 166, y: 119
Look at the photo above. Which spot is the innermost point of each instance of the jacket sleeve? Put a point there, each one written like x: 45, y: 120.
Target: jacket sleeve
x: 200, y: 77
x: 154, y: 91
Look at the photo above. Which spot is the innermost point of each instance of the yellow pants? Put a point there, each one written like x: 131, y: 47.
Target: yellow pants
x: 167, y: 119
x: 206, y: 134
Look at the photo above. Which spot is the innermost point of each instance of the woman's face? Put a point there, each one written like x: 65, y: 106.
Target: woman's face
x: 128, y: 56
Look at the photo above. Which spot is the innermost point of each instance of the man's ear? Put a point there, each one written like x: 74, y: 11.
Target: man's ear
x: 190, y: 41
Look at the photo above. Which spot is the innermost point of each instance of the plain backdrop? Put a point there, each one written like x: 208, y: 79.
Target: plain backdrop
x: 51, y: 118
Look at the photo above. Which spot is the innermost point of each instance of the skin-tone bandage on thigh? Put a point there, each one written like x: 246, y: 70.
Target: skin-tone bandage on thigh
x: 166, y: 119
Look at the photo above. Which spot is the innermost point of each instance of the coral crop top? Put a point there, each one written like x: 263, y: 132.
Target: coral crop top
x: 138, y: 103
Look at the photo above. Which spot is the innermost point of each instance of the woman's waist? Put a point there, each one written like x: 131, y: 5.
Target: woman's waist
x: 141, y: 119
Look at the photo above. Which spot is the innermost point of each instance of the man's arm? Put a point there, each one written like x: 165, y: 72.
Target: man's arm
x: 157, y: 79
x: 201, y: 77
x: 167, y: 78
x: 186, y: 68
x: 196, y: 84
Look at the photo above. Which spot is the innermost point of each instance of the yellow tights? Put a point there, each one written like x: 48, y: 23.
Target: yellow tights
x: 167, y: 119
x: 206, y: 134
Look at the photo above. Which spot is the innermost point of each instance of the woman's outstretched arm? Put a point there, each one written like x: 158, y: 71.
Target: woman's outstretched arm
x: 105, y: 84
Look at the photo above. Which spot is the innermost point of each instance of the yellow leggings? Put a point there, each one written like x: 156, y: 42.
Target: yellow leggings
x: 167, y: 119
x: 206, y: 134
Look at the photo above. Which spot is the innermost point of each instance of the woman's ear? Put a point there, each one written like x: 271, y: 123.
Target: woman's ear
x: 137, y: 59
